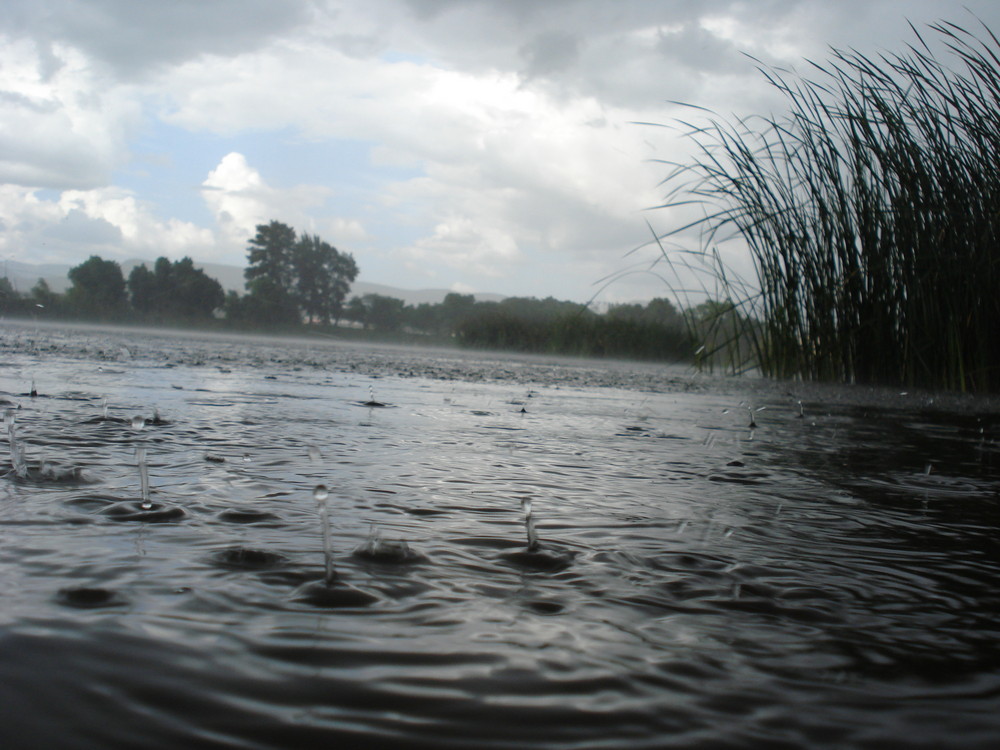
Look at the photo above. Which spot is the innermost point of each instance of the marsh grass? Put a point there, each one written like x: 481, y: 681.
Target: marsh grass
x: 871, y: 211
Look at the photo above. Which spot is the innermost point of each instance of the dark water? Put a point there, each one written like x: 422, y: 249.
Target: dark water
x: 825, y: 580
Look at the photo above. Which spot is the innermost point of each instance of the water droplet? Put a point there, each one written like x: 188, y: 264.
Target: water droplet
x: 529, y: 524
x: 138, y: 422
x: 140, y: 460
x: 246, y: 458
x: 321, y: 493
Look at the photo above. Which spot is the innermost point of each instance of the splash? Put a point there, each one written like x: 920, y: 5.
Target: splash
x: 529, y: 524
x: 320, y: 495
x: 17, y: 458
x: 140, y: 460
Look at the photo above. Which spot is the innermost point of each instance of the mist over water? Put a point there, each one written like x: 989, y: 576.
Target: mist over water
x: 827, y: 578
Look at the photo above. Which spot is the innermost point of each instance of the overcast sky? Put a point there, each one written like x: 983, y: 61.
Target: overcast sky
x: 475, y: 145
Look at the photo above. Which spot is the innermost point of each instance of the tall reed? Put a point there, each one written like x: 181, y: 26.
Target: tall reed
x: 871, y: 211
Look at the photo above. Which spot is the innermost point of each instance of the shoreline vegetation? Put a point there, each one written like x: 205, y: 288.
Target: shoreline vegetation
x: 517, y: 325
x: 870, y: 213
x: 300, y: 287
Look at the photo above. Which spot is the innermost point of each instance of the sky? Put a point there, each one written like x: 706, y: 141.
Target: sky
x: 499, y: 146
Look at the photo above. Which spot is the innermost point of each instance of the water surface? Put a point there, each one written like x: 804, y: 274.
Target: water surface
x: 827, y: 578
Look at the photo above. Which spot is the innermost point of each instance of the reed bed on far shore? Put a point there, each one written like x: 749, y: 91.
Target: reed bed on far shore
x: 871, y: 210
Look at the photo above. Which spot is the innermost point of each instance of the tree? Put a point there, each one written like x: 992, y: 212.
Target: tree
x: 194, y: 293
x: 267, y: 305
x: 174, y: 291
x: 9, y: 298
x: 323, y: 277
x: 424, y: 317
x: 270, y: 255
x: 357, y: 311
x: 663, y: 312
x: 44, y: 300
x: 313, y: 273
x: 631, y: 311
x: 98, y: 289
x: 455, y: 309
x: 384, y: 313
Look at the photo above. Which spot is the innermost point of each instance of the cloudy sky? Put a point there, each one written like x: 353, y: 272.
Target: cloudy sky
x: 474, y: 145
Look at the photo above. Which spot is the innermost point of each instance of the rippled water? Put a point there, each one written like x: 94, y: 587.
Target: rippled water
x: 826, y: 579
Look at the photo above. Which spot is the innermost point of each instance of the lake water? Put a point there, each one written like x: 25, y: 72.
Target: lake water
x: 827, y: 578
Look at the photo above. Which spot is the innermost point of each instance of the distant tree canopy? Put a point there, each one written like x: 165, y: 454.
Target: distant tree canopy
x: 377, y: 311
x: 98, y: 289
x: 656, y: 330
x: 173, y: 291
x: 267, y: 305
x: 311, y: 274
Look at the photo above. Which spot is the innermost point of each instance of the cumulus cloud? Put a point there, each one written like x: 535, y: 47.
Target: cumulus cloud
x: 63, y: 127
x: 240, y: 200
x: 109, y: 222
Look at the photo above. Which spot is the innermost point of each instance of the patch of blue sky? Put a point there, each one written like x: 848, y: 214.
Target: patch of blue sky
x: 48, y: 194
x: 393, y: 56
x: 169, y: 165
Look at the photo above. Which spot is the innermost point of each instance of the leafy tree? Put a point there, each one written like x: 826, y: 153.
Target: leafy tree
x: 267, y: 305
x: 270, y: 254
x: 663, y: 312
x: 98, y: 289
x: 357, y: 311
x: 143, y: 290
x: 195, y: 294
x: 384, y: 313
x: 313, y: 273
x: 10, y: 300
x: 424, y: 317
x: 547, y: 309
x: 625, y: 312
x: 455, y: 309
x: 174, y: 291
x: 45, y: 301
x: 323, y: 277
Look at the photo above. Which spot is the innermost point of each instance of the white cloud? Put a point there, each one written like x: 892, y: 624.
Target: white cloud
x: 110, y: 222
x: 62, y: 125
x: 460, y: 243
x: 240, y: 200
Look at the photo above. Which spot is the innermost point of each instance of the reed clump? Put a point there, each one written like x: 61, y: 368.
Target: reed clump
x: 871, y: 211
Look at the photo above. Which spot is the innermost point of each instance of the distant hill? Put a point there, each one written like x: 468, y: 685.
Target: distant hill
x: 23, y: 276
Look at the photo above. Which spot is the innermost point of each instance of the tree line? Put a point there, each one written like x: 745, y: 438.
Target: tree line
x: 301, y: 282
x: 290, y: 279
x: 656, y: 330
